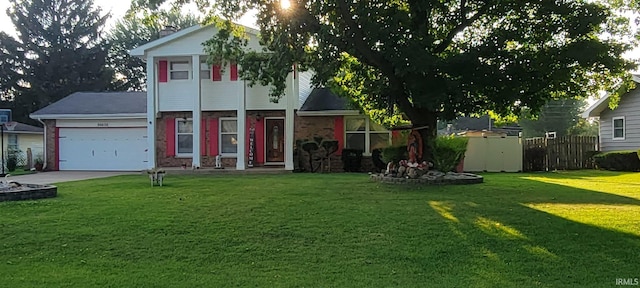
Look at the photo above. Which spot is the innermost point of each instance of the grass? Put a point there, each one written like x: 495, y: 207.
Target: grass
x: 339, y: 230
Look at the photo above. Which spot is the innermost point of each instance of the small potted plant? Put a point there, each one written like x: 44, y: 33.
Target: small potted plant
x: 39, y: 163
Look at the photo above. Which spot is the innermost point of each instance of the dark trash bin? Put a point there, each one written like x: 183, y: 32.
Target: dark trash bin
x: 352, y: 160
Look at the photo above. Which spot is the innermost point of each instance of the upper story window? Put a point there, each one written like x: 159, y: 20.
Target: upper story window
x: 205, y: 70
x: 228, y: 136
x: 179, y: 70
x: 184, y: 137
x: 618, y: 128
x: 361, y: 133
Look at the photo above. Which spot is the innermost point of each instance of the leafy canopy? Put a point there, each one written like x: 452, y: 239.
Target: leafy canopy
x: 432, y: 58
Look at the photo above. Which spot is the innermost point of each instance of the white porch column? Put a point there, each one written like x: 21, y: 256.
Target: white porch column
x: 292, y: 99
x: 242, y: 117
x: 197, y: 113
x: 151, y: 112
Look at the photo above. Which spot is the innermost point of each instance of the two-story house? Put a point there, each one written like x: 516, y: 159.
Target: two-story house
x: 193, y: 112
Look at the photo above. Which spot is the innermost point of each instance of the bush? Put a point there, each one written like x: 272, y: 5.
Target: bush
x: 618, y: 161
x: 352, y: 160
x: 12, y: 162
x: 394, y: 154
x: 448, y: 151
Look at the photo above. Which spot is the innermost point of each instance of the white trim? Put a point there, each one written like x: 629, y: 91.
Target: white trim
x: 177, y: 153
x: 264, y: 128
x: 597, y: 108
x: 227, y: 155
x: 152, y: 77
x: 329, y: 113
x: 613, y: 128
x: 188, y: 70
x: 90, y: 116
x: 367, y: 134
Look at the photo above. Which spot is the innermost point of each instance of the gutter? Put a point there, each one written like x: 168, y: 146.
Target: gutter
x: 44, y: 145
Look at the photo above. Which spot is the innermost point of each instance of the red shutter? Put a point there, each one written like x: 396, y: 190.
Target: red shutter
x: 57, y: 156
x: 163, y: 71
x: 215, y: 75
x: 259, y: 141
x: 234, y: 71
x: 213, y: 136
x: 395, y: 137
x: 203, y: 137
x: 338, y: 133
x: 170, y: 137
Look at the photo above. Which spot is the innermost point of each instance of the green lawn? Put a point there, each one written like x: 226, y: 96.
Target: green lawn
x: 564, y: 229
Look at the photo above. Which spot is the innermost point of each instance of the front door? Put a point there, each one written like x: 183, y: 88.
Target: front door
x: 274, y: 140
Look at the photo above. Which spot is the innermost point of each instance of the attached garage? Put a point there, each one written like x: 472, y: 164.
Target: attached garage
x: 106, y: 149
x: 96, y: 132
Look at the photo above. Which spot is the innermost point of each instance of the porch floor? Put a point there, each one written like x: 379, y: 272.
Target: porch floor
x: 226, y: 170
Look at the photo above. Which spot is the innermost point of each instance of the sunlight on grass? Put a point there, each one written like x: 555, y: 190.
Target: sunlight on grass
x: 498, y: 229
x: 626, y: 184
x: 601, y: 215
x: 444, y: 209
x: 541, y: 252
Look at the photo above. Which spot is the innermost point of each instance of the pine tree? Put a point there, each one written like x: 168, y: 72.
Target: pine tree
x: 58, y: 50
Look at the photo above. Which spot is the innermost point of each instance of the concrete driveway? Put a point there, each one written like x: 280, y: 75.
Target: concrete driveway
x: 65, y: 176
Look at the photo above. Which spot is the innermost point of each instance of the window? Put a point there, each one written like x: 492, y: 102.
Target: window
x: 179, y: 70
x: 184, y: 137
x: 13, y: 142
x: 229, y: 136
x: 205, y: 70
x: 618, y: 128
x: 362, y: 133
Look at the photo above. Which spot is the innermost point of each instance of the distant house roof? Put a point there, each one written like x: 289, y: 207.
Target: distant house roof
x: 323, y: 102
x: 22, y: 128
x: 96, y: 104
x: 602, y: 103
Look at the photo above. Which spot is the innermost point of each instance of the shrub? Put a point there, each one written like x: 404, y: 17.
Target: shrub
x: 448, y: 151
x: 12, y: 162
x: 352, y: 160
x: 618, y: 161
x: 394, y: 153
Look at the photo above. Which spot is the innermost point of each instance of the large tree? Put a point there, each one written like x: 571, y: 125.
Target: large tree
x: 431, y: 59
x: 133, y: 30
x: 58, y: 50
x: 561, y: 116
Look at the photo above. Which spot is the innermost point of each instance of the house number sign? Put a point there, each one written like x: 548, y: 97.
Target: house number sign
x: 103, y: 124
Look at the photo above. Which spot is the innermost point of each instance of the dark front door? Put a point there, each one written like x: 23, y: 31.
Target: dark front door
x: 274, y: 140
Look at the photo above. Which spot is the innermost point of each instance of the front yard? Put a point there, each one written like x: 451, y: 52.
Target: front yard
x: 326, y: 230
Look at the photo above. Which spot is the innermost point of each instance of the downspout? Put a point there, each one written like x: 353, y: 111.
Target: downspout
x: 44, y: 145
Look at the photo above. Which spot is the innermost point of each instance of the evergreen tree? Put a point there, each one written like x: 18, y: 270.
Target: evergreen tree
x: 58, y: 51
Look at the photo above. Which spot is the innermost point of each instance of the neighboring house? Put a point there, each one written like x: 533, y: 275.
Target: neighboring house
x: 619, y: 128
x: 21, y: 138
x: 193, y: 112
x: 477, y: 125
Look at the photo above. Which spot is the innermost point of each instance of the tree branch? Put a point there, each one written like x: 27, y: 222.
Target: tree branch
x: 464, y: 23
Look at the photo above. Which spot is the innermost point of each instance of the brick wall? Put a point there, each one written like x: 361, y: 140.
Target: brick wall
x: 50, y: 138
x: 162, y: 160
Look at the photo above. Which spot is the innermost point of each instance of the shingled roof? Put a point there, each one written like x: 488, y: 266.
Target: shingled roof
x: 22, y: 128
x: 322, y: 99
x: 96, y: 103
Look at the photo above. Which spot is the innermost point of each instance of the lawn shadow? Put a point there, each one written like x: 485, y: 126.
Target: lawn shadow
x: 512, y: 239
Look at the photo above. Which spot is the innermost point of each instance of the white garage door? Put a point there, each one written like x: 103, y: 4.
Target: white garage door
x: 103, y: 149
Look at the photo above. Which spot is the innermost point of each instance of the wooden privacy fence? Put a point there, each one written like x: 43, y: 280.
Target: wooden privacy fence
x: 561, y: 153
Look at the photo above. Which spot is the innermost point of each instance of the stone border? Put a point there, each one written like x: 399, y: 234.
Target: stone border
x: 471, y: 179
x: 29, y: 192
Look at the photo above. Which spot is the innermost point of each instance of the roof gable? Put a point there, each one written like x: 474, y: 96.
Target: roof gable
x: 187, y: 41
x: 603, y: 103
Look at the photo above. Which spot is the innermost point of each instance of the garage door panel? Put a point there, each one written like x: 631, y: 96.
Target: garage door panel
x: 116, y: 149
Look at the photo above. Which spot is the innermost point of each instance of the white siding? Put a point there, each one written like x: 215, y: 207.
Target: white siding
x: 192, y: 44
x: 629, y: 107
